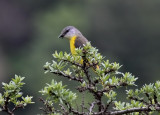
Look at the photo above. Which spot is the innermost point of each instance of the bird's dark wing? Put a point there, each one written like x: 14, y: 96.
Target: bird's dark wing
x: 80, y: 41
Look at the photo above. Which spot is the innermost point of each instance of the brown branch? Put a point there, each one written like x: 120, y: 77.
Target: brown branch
x: 140, y: 100
x: 77, y: 112
x: 16, y: 107
x: 110, y: 87
x: 86, y: 70
x: 6, y: 108
x: 64, y: 109
x: 155, y: 99
x: 107, y: 106
x: 69, y: 77
x: 73, y: 63
x: 142, y: 109
x: 147, y: 95
x: 109, y: 71
x: 47, y: 109
x: 93, y: 65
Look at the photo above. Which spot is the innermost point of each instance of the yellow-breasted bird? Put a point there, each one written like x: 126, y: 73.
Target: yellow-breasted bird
x: 75, y: 38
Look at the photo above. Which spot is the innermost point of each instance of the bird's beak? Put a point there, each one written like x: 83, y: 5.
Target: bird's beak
x: 61, y: 36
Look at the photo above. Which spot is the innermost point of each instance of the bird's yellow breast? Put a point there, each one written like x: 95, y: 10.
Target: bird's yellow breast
x: 72, y: 45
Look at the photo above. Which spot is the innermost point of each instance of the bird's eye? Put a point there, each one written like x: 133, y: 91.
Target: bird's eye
x: 67, y: 31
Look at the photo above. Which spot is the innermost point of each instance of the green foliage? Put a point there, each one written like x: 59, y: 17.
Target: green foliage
x: 148, y: 95
x: 56, y: 92
x: 13, y: 95
x: 102, y: 84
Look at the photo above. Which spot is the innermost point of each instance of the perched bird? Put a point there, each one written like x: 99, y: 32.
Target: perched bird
x: 75, y: 37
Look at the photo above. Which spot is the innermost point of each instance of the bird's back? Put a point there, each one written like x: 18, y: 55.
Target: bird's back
x: 80, y: 41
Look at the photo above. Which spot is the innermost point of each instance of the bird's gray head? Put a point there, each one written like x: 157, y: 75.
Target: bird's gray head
x: 69, y: 32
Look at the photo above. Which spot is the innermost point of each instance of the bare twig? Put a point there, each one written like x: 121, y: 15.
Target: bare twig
x: 65, y: 112
x: 92, y: 107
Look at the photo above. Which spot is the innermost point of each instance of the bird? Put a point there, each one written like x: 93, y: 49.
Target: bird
x: 75, y: 38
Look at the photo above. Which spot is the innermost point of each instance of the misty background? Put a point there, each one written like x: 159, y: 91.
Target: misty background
x: 124, y: 31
